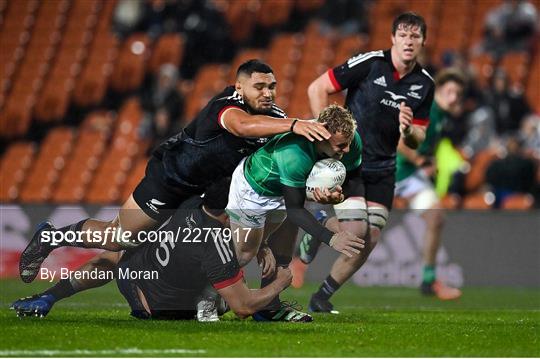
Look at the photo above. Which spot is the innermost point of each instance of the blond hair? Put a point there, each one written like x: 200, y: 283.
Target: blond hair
x: 338, y: 120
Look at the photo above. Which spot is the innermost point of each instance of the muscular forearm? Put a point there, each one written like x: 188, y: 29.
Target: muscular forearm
x: 303, y: 219
x: 262, y: 126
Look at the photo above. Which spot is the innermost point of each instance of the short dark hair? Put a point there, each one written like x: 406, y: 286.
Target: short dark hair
x: 216, y: 196
x: 253, y: 65
x: 410, y: 19
x: 450, y: 74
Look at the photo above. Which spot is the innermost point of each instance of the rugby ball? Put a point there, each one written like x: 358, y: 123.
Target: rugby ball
x: 327, y: 173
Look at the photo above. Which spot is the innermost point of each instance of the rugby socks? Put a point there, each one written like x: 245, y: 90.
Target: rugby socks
x: 75, y: 227
x: 61, y: 290
x: 328, y: 288
x: 428, y: 274
x: 281, y: 261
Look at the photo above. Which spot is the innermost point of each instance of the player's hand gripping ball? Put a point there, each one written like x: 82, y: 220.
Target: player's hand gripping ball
x: 327, y: 173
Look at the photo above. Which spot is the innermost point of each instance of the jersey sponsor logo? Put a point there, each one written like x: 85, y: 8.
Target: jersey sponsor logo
x: 153, y: 203
x: 390, y: 103
x: 395, y: 97
x: 381, y: 81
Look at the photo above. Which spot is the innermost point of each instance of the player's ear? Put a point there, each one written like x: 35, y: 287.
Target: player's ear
x: 238, y: 86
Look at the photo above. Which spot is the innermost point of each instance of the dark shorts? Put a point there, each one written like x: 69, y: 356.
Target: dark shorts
x: 156, y: 198
x: 128, y: 288
x: 374, y: 186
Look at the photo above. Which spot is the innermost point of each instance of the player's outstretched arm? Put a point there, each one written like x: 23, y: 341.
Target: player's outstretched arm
x: 244, y: 301
x: 344, y: 242
x: 242, y: 124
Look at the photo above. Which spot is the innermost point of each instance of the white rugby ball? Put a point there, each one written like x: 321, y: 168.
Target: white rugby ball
x: 327, y: 173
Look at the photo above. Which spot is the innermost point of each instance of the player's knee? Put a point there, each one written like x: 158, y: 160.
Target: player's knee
x: 244, y: 257
x: 377, y: 217
x: 434, y: 218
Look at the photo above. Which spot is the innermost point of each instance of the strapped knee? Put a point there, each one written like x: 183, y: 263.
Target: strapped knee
x: 352, y: 209
x: 377, y: 216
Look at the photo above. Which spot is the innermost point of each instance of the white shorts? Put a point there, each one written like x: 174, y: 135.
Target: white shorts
x: 249, y: 209
x: 419, y: 190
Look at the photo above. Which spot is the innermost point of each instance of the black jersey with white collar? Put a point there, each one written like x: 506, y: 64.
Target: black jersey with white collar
x: 205, y: 151
x: 375, y: 92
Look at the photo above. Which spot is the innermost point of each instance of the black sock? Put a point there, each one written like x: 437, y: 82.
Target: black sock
x: 75, y: 227
x: 281, y: 261
x: 328, y: 288
x: 61, y: 290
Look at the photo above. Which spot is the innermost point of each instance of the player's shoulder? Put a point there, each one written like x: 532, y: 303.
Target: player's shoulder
x: 229, y: 97
x: 277, y: 112
x: 426, y: 76
x: 366, y: 58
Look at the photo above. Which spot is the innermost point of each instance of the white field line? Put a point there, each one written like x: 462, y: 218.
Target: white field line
x: 90, y: 352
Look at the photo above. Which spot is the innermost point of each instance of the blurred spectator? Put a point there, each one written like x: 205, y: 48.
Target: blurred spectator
x: 529, y: 135
x: 480, y: 133
x: 127, y: 16
x: 514, y: 173
x: 344, y: 17
x: 510, y: 26
x: 509, y: 106
x: 159, y: 16
x: 163, y: 106
x: 208, y: 36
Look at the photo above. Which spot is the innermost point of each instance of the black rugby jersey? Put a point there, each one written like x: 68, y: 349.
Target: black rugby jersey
x: 205, y: 151
x: 187, y: 261
x: 375, y: 92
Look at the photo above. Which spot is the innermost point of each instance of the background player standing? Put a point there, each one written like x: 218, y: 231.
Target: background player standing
x: 415, y: 169
x: 389, y: 95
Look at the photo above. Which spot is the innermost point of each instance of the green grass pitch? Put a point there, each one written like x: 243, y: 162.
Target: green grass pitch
x: 373, y: 322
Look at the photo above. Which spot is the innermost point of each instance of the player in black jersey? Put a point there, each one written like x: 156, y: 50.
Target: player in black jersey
x: 165, y: 279
x: 390, y: 96
x: 232, y: 125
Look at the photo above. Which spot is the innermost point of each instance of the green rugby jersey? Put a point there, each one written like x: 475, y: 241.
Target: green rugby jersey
x: 404, y: 167
x: 287, y: 159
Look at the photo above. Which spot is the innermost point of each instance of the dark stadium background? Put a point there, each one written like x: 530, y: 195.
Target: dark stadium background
x: 81, y: 108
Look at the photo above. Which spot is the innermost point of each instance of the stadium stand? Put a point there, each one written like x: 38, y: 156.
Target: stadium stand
x: 61, y: 61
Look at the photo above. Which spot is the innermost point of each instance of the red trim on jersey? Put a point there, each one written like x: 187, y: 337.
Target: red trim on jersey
x: 420, y: 121
x: 221, y: 113
x: 336, y: 84
x: 396, y: 75
x: 228, y: 282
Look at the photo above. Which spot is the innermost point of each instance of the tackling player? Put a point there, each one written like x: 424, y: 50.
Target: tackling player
x: 414, y: 171
x: 184, y: 266
x: 233, y: 124
x: 389, y: 95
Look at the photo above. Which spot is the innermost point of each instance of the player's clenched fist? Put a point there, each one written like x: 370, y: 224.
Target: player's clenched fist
x: 347, y: 243
x: 405, y: 118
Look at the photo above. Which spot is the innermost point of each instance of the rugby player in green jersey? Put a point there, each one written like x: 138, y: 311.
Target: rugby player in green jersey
x: 414, y: 169
x: 270, y: 185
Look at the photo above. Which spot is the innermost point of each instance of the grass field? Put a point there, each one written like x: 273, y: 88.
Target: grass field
x: 373, y: 322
